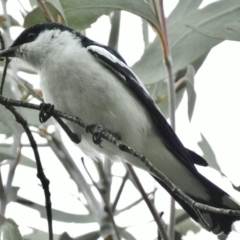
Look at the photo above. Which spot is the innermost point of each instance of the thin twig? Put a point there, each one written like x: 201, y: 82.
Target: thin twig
x: 104, y: 179
x: 107, y: 207
x: 40, y: 173
x: 125, y: 148
x: 134, y: 203
x: 119, y: 192
x: 150, y: 205
x: 171, y: 91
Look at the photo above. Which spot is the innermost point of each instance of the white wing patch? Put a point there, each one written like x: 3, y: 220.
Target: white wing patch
x: 113, y: 59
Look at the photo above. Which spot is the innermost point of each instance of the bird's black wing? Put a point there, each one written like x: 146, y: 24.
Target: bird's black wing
x: 170, y: 139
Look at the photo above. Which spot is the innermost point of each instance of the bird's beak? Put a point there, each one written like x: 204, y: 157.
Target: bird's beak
x: 9, y: 52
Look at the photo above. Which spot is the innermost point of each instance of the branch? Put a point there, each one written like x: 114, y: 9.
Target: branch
x: 123, y: 147
x: 40, y: 173
x: 150, y: 205
x: 119, y: 192
x: 162, y: 32
x: 107, y: 206
x: 47, y: 14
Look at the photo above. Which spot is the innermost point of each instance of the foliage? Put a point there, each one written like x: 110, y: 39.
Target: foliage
x: 193, y: 32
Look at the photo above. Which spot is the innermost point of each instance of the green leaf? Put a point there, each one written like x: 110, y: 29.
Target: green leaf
x: 208, y: 154
x: 127, y: 236
x: 183, y: 7
x: 65, y: 236
x: 145, y: 32
x: 39, y: 235
x: 229, y: 31
x: 13, y: 194
x: 184, y: 223
x: 57, y: 214
x: 5, y: 154
x: 186, y: 44
x: 32, y: 117
x: 8, y: 124
x: 81, y: 14
x: 190, y: 90
x: 163, y: 103
x: 89, y: 236
x: 9, y: 229
x: 36, y: 15
x: 58, y: 6
x: 114, y: 33
x: 33, y: 3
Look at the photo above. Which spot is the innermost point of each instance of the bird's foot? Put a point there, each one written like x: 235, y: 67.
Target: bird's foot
x: 97, y: 131
x: 46, y: 111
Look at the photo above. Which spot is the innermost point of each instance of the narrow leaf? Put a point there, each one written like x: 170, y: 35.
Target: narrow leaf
x: 190, y: 90
x: 145, y: 32
x: 5, y: 154
x: 229, y: 31
x: 186, y: 44
x: 39, y: 235
x: 208, y: 154
x: 58, y: 6
x: 127, y: 236
x: 183, y: 7
x: 9, y: 229
x: 114, y: 33
x: 57, y: 214
x: 81, y: 14
x: 7, y: 120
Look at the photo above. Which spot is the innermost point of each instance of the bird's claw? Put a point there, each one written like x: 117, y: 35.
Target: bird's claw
x: 97, y: 131
x: 46, y: 111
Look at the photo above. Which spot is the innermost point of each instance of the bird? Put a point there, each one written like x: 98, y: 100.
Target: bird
x: 87, y: 79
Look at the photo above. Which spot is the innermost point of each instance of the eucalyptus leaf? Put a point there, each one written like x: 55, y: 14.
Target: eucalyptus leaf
x: 33, y: 3
x: 184, y: 223
x: 65, y: 236
x: 190, y: 90
x: 114, y: 33
x: 163, y: 104
x: 127, y: 236
x: 9, y: 230
x: 208, y: 154
x: 7, y: 119
x: 32, y: 117
x: 89, y: 236
x: 39, y: 235
x: 57, y: 214
x: 183, y: 7
x: 145, y: 32
x: 58, y: 6
x: 5, y: 154
x: 186, y: 44
x: 81, y: 14
x: 37, y: 16
x: 229, y: 31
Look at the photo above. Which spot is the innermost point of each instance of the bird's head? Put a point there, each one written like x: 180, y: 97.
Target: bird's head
x: 36, y: 43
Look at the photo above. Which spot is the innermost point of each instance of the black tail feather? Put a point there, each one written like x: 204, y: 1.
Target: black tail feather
x: 217, y: 222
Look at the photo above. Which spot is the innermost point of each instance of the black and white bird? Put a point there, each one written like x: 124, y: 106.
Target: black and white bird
x: 87, y: 79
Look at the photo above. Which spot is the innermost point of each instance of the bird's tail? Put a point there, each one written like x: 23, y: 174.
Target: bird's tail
x: 218, y: 198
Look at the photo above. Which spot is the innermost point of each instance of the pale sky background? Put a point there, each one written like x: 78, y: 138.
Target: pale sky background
x: 216, y: 115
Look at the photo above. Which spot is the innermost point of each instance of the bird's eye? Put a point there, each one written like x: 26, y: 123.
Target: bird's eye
x: 31, y: 36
